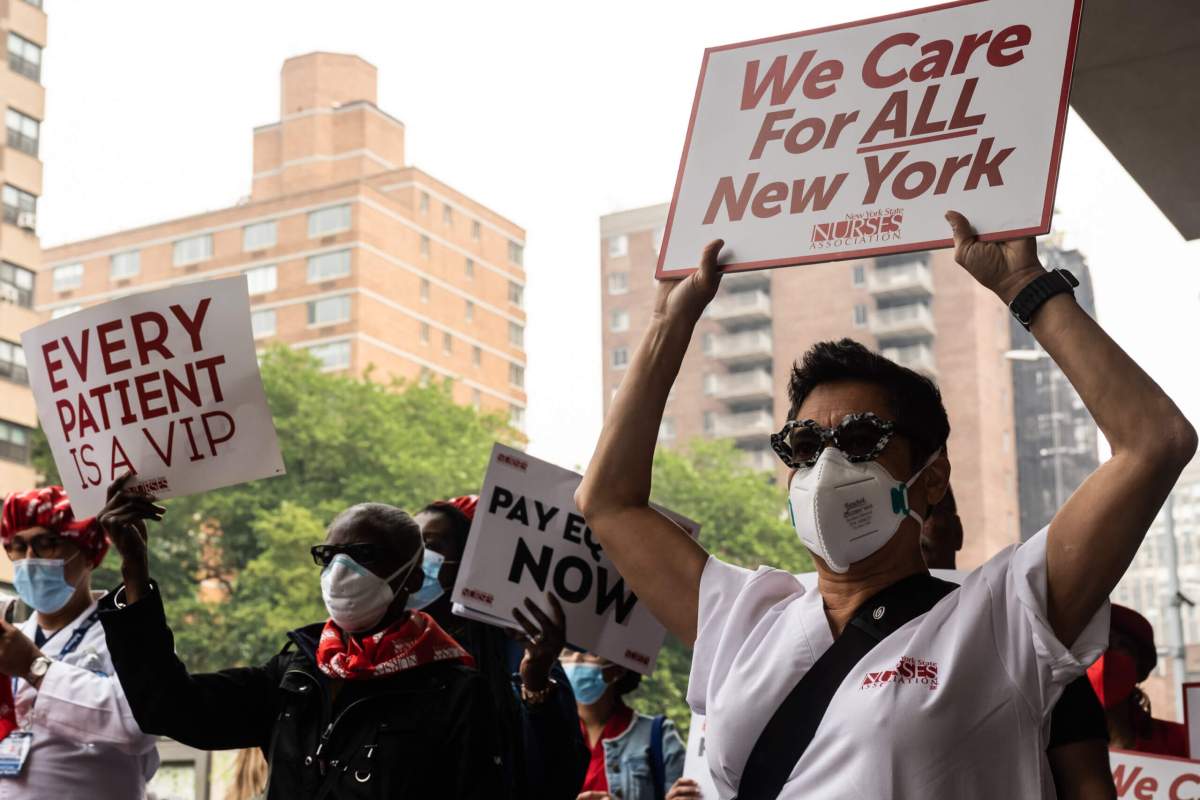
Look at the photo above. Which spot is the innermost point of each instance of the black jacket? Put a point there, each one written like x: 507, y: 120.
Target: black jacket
x: 428, y: 732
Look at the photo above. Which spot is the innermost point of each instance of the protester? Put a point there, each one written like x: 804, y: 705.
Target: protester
x: 632, y: 755
x: 70, y: 708
x: 1115, y: 676
x: 377, y: 701
x: 543, y: 751
x: 1078, y: 745
x: 249, y: 776
x: 929, y: 690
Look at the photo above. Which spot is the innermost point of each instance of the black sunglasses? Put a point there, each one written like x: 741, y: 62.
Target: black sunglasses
x: 861, y: 437
x: 363, y: 553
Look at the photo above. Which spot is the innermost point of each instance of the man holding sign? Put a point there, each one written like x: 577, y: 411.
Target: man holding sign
x: 885, y: 682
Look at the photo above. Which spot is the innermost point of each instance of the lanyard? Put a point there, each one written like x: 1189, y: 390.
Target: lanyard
x: 72, y: 643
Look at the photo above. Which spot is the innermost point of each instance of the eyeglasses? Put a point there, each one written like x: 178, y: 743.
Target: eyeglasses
x: 44, y: 545
x: 861, y: 437
x: 363, y: 553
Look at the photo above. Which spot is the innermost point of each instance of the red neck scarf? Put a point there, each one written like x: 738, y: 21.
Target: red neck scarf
x: 411, y: 642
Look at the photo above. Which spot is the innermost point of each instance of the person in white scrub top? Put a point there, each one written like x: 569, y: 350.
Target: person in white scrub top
x: 70, y: 711
x: 955, y: 703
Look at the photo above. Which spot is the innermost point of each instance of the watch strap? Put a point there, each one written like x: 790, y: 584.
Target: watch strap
x: 1038, y: 291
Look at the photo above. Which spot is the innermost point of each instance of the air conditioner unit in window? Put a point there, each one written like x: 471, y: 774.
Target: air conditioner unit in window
x: 27, y: 220
x: 9, y: 294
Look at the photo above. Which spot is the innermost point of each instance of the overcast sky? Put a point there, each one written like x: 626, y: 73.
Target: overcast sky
x: 550, y: 113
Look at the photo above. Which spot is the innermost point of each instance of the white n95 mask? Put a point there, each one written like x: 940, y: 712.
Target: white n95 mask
x: 843, y: 511
x: 355, y: 597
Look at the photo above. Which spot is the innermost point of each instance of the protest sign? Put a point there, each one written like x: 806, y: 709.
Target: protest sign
x: 528, y: 539
x: 1140, y: 776
x: 164, y: 383
x: 695, y: 762
x: 1191, y: 716
x: 854, y: 140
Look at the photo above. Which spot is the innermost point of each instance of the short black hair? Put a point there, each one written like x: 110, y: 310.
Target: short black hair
x: 913, y: 400
x: 460, y: 523
x: 628, y: 682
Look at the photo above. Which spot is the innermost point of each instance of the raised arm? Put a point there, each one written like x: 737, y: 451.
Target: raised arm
x: 1095, y: 535
x: 661, y: 563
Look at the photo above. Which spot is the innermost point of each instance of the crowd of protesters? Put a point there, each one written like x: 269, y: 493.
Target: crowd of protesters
x: 394, y: 696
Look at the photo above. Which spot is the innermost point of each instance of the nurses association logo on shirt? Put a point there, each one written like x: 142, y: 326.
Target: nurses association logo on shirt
x: 908, y: 670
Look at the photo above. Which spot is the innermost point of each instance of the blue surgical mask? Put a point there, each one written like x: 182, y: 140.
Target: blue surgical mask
x: 41, y: 583
x: 431, y: 589
x: 587, y: 682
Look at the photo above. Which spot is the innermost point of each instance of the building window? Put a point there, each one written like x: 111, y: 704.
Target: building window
x: 424, y: 333
x: 424, y: 246
x: 424, y: 202
x: 63, y: 311
x: 20, y: 207
x: 447, y: 215
x: 859, y: 275
x: 328, y: 221
x: 710, y: 384
x: 516, y: 253
x: 706, y: 344
x: 24, y: 57
x: 14, y: 442
x: 476, y: 356
x: 516, y: 334
x: 193, y: 250
x: 618, y: 246
x: 328, y: 266
x: 710, y: 421
x: 263, y: 323
x: 261, y: 280
x: 618, y: 282
x: 666, y: 430
x: 470, y: 312
x: 469, y: 268
x: 23, y: 131
x: 447, y: 343
x: 258, y: 236
x: 619, y: 321
x: 35, y: 3
x: 860, y: 316
x: 68, y: 276
x: 620, y: 357
x: 125, y: 265
x: 424, y: 290
x: 329, y: 310
x: 334, y: 355
x: 476, y: 230
x: 476, y: 399
x: 516, y: 417
x: 516, y: 294
x: 12, y: 362
x: 16, y: 285
x: 516, y: 375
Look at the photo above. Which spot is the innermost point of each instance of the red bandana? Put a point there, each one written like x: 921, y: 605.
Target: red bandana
x: 404, y: 644
x: 50, y: 508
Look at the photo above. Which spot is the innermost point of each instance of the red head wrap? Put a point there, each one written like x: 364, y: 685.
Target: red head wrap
x: 50, y: 508
x: 466, y: 504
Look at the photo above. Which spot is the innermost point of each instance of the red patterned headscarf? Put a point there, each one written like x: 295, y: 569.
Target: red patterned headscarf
x: 466, y: 504
x: 50, y: 508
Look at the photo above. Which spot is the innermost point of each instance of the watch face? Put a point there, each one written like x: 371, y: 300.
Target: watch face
x: 40, y: 665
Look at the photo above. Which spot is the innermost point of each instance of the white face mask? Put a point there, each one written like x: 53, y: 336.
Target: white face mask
x: 355, y: 597
x: 844, y: 512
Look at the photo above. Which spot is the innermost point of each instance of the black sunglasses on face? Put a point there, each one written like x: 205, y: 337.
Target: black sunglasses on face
x: 363, y: 553
x: 860, y: 437
x: 44, y: 545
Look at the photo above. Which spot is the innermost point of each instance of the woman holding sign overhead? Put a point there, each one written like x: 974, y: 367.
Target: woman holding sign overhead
x: 884, y: 682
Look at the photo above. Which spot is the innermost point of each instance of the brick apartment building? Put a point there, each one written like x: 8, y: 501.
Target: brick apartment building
x: 349, y: 252
x: 920, y: 309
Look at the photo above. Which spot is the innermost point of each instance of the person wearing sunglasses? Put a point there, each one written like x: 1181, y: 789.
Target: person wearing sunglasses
x: 883, y: 681
x: 377, y: 701
x: 544, y: 757
x: 64, y: 719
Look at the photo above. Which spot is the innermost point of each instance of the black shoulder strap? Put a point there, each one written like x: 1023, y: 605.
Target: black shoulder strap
x: 793, y: 725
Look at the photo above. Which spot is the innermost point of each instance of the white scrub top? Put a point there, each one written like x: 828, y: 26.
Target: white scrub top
x: 85, y: 740
x: 954, y: 704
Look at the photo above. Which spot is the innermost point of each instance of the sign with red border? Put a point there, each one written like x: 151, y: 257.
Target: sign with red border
x: 854, y: 140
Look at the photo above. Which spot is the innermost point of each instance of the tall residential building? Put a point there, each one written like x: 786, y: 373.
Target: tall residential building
x: 23, y: 26
x: 1056, y: 435
x: 350, y: 254
x: 920, y: 309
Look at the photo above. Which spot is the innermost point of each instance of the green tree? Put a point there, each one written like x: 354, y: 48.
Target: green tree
x: 742, y: 513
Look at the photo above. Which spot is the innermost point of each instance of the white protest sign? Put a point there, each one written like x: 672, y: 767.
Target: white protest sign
x: 528, y: 540
x: 1140, y: 776
x: 854, y: 140
x: 695, y: 762
x: 163, y: 383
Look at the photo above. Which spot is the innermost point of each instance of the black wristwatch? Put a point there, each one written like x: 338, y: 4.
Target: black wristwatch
x: 1041, y: 289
